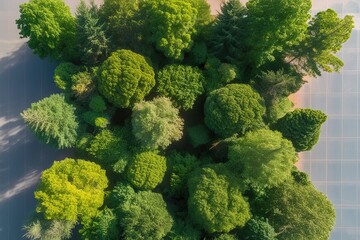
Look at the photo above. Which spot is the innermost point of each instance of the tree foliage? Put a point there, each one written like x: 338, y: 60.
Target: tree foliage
x: 63, y: 73
x: 299, y: 212
x: 301, y: 127
x: 215, y: 201
x: 182, y: 84
x: 263, y: 157
x: 218, y: 74
x: 276, y: 25
x: 146, y: 170
x: 258, y: 229
x: 145, y: 217
x: 53, y: 121
x: 156, y: 124
x: 325, y: 35
x: 52, y: 32
x: 235, y: 108
x: 170, y: 25
x: 91, y: 39
x: 71, y: 190
x: 125, y: 78
x: 279, y: 109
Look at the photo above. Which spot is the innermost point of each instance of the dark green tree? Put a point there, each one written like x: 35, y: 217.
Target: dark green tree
x: 145, y: 216
x: 125, y: 78
x: 146, y: 170
x: 325, y: 35
x: 228, y: 38
x: 258, y: 229
x: 215, y: 201
x: 277, y: 110
x: 53, y: 121
x: 170, y: 25
x: 50, y: 28
x: 263, y: 157
x: 218, y: 74
x: 235, y: 108
x: 156, y: 124
x: 91, y: 40
x: 298, y: 212
x: 182, y: 84
x: 63, y: 73
x: 103, y: 226
x: 301, y: 127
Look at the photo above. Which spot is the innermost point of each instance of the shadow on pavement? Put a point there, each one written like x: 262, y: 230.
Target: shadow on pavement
x: 24, y: 79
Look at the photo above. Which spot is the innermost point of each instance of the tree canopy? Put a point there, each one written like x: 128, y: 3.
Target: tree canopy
x: 52, y: 32
x: 146, y: 170
x: 156, y: 124
x: 235, y: 108
x: 170, y: 25
x: 125, y: 78
x: 53, y: 121
x: 299, y: 212
x: 182, y: 84
x: 71, y: 190
x: 263, y: 157
x: 301, y: 127
x: 215, y: 201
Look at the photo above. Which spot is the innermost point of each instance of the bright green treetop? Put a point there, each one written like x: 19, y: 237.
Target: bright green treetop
x: 50, y: 28
x: 125, y: 78
x: 71, y: 190
x: 299, y: 212
x: 53, y: 121
x: 182, y: 84
x: 145, y: 216
x: 235, y: 108
x: 146, y: 170
x: 263, y: 157
x: 302, y: 127
x: 325, y: 36
x: 275, y: 26
x: 170, y: 25
x: 215, y: 201
x: 156, y: 124
x: 258, y: 229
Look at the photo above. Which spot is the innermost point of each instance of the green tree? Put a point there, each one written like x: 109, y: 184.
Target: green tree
x: 218, y: 74
x: 170, y: 25
x: 301, y: 127
x: 97, y: 104
x: 258, y: 229
x: 40, y: 228
x: 180, y: 166
x: 50, y: 28
x: 225, y: 236
x: 82, y: 85
x: 146, y: 170
x: 274, y: 86
x: 235, y: 108
x: 276, y: 26
x: 182, y: 84
x: 145, y: 216
x: 109, y: 147
x: 53, y: 121
x: 215, y: 201
x: 63, y: 73
x: 325, y: 35
x: 183, y: 230
x: 227, y: 42
x: 103, y: 226
x: 156, y: 124
x: 125, y: 78
x: 91, y: 40
x: 122, y: 22
x: 299, y: 212
x: 263, y: 157
x: 71, y: 190
x: 277, y: 110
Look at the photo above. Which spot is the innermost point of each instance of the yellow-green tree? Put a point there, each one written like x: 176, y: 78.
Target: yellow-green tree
x: 71, y: 190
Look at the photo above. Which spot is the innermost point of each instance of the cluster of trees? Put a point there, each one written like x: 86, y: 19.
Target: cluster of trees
x: 181, y: 121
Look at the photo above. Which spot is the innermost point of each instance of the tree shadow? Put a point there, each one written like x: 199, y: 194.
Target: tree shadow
x: 24, y: 79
